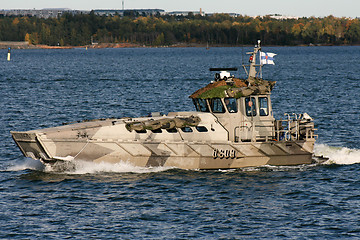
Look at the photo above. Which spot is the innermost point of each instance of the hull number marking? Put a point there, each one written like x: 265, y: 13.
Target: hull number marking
x: 221, y: 153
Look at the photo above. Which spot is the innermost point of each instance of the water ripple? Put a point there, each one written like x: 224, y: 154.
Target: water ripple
x: 43, y: 88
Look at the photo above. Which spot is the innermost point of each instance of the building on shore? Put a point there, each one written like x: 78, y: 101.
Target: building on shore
x: 281, y: 17
x: 230, y: 14
x: 56, y: 12
x: 41, y: 13
x: 184, y: 13
x: 140, y: 12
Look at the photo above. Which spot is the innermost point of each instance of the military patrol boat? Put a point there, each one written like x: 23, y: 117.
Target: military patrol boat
x: 233, y: 127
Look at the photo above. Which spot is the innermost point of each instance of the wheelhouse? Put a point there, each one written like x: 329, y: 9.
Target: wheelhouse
x: 253, y: 105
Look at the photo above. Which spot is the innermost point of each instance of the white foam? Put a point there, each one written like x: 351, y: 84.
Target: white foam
x: 84, y: 167
x: 272, y: 168
x: 28, y: 163
x: 338, y: 155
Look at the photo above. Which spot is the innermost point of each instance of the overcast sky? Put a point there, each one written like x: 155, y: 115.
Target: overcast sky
x: 307, y: 8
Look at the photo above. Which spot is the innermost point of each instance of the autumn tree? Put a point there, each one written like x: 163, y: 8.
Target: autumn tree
x: 79, y: 29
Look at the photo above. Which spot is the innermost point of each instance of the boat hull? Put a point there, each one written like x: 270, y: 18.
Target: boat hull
x: 178, y: 154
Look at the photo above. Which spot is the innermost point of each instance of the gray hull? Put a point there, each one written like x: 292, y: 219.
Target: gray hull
x: 182, y: 154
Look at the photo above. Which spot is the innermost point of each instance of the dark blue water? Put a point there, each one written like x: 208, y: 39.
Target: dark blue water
x: 44, y: 88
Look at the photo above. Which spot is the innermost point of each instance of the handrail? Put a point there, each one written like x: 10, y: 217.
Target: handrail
x: 252, y: 130
x: 293, y: 128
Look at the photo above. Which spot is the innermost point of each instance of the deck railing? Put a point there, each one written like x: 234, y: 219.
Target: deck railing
x: 292, y: 128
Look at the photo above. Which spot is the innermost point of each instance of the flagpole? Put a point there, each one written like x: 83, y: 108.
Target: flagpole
x: 260, y: 61
x: 260, y: 64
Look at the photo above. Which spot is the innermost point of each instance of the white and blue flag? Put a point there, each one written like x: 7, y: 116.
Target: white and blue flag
x: 267, y: 58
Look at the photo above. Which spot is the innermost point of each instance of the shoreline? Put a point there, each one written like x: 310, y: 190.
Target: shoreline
x: 24, y: 45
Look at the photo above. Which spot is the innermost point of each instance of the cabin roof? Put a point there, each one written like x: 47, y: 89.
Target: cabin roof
x: 236, y: 88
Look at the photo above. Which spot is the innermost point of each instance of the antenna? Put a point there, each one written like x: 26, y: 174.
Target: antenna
x: 123, y: 5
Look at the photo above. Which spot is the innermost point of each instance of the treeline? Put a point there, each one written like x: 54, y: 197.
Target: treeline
x: 83, y: 29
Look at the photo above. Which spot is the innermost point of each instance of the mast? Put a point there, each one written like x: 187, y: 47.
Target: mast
x: 252, y: 70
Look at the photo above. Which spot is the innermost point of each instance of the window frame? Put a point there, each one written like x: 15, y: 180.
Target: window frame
x: 201, y: 129
x: 267, y: 106
x: 158, y: 130
x: 252, y: 108
x: 196, y: 103
x: 189, y: 128
x: 227, y: 106
x: 201, y: 105
x: 172, y: 130
x: 212, y: 105
x: 141, y: 131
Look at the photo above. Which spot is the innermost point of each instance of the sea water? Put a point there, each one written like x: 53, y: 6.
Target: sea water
x: 44, y: 88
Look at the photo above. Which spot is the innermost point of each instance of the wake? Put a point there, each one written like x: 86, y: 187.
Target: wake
x: 84, y: 167
x: 338, y: 155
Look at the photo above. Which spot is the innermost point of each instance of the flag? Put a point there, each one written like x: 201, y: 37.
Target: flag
x: 267, y: 58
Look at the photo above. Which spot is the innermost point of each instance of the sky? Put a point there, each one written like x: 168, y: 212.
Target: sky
x: 299, y: 8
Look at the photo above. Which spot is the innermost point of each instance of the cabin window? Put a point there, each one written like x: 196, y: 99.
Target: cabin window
x: 196, y: 105
x: 157, y: 130
x: 263, y: 106
x: 201, y: 105
x: 186, y: 129
x: 231, y: 105
x: 141, y: 131
x: 171, y: 130
x: 201, y: 128
x: 250, y: 105
x: 216, y: 105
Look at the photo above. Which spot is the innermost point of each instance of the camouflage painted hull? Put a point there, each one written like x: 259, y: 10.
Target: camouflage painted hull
x: 83, y: 142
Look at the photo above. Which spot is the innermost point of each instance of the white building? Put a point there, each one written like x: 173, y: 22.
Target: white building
x: 281, y: 17
x: 41, y: 13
